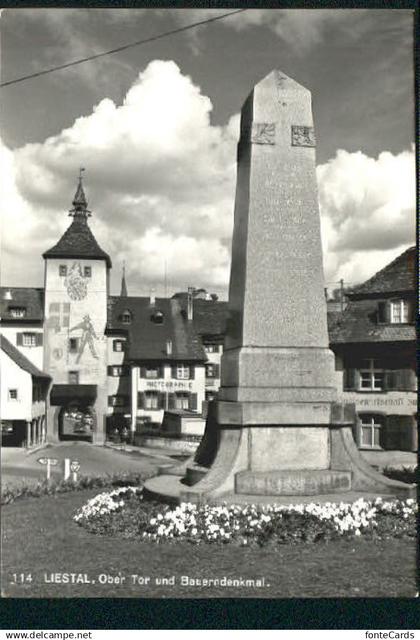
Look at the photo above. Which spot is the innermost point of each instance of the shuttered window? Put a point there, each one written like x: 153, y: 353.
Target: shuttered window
x: 29, y: 340
x: 182, y: 372
x: 399, y: 311
x: 371, y: 377
x: 212, y: 370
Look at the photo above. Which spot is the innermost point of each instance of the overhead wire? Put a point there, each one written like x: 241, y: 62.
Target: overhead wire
x: 124, y: 47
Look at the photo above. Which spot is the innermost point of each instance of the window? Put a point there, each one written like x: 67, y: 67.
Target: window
x: 116, y: 401
x: 73, y: 377
x: 212, y: 370
x: 157, y: 317
x: 151, y: 400
x: 62, y: 270
x: 210, y: 395
x: 13, y: 394
x: 399, y: 311
x: 182, y: 372
x: 17, y: 312
x: 371, y: 376
x: 118, y: 345
x: 29, y: 340
x: 370, y: 426
x: 182, y: 401
x: 117, y: 370
x: 152, y: 372
x: 126, y: 317
x: 211, y: 348
x: 73, y: 345
x: 87, y: 272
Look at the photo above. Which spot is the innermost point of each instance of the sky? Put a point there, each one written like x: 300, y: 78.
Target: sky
x: 156, y: 128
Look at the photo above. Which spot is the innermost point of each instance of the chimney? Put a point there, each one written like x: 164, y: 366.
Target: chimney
x: 169, y: 347
x: 7, y: 295
x: 152, y: 297
x: 190, y: 307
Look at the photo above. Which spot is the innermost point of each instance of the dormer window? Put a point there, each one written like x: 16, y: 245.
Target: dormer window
x: 399, y: 312
x: 62, y: 270
x: 396, y: 311
x: 17, y: 312
x: 157, y: 317
x: 126, y: 317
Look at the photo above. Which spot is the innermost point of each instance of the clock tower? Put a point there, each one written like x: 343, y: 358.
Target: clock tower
x: 75, y: 347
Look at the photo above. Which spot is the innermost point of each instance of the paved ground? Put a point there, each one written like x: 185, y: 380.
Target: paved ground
x: 17, y: 466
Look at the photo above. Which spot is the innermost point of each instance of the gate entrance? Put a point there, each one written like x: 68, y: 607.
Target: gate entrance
x: 76, y: 422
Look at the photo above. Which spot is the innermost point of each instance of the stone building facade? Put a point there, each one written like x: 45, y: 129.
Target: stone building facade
x: 374, y: 340
x: 23, y: 398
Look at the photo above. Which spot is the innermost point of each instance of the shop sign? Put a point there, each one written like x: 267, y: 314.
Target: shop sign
x: 169, y: 385
x: 402, y: 402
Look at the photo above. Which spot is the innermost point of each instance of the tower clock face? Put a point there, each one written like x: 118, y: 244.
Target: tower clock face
x: 75, y: 283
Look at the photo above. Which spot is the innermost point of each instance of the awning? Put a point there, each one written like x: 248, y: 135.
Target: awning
x: 64, y: 394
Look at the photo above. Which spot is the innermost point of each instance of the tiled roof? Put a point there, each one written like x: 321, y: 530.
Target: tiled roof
x: 32, y: 299
x: 397, y: 276
x: 147, y: 339
x: 359, y: 323
x: 78, y: 241
x: 21, y: 360
x: 209, y: 316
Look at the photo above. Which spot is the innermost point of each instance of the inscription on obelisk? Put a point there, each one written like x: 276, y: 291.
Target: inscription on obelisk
x: 277, y: 336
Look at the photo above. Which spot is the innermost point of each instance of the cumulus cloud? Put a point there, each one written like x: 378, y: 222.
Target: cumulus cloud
x: 367, y: 210
x: 160, y: 181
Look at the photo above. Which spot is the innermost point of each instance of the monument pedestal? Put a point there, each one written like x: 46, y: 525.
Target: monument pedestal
x: 275, y: 464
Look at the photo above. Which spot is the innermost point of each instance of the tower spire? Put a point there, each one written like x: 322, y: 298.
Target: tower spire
x: 79, y: 201
x: 123, y: 283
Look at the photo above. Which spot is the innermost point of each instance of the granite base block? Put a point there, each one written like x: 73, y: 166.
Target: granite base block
x: 292, y: 483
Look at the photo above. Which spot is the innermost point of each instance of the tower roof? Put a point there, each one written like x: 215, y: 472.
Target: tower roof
x: 79, y: 200
x: 123, y: 293
x: 78, y: 240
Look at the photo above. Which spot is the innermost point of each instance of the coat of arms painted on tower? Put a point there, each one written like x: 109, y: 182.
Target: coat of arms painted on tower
x: 75, y: 283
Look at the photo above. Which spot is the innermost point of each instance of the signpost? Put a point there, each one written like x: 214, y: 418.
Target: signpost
x: 49, y: 462
x: 74, y: 468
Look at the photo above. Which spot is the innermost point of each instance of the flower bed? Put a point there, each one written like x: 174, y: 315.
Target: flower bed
x: 53, y: 487
x: 125, y: 513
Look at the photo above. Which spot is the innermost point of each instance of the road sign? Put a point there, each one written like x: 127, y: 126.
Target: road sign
x: 50, y: 461
x: 74, y: 465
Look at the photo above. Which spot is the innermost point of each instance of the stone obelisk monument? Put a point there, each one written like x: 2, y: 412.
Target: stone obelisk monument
x: 276, y: 428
